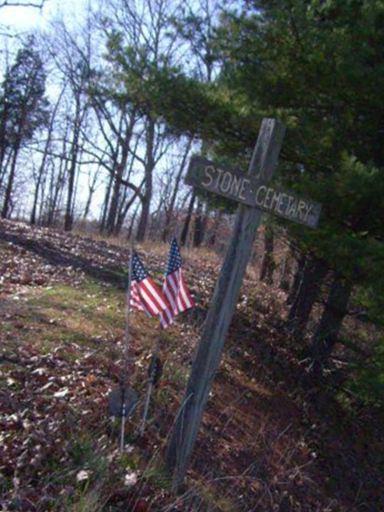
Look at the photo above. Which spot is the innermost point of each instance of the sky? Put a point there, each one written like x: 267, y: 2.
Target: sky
x: 20, y: 19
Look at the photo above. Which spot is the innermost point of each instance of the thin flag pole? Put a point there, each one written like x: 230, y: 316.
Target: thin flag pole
x: 126, y: 350
x: 150, y: 386
x: 150, y: 381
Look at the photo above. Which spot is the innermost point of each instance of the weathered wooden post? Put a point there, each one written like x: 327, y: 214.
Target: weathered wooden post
x: 207, y: 360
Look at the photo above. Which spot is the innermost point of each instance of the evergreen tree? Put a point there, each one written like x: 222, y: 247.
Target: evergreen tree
x: 23, y: 109
x: 320, y: 67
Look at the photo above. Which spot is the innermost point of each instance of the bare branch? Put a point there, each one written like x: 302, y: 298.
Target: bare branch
x: 20, y: 3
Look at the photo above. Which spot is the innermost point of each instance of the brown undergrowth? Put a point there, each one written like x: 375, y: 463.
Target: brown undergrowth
x: 268, y: 441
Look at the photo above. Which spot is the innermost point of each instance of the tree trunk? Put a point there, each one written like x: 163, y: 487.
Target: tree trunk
x: 123, y: 210
x: 4, y: 168
x: 11, y: 178
x: 268, y: 263
x: 144, y: 216
x: 184, y: 233
x: 40, y: 182
x: 147, y: 196
x: 329, y: 326
x: 167, y: 224
x: 200, y: 225
x: 106, y: 204
x: 285, y: 271
x: 310, y: 286
x: 42, y: 200
x: 44, y: 159
x: 297, y: 279
x: 89, y: 201
x: 76, y: 187
x: 123, y: 213
x: 171, y: 206
x: 35, y: 199
x: 56, y: 187
x: 112, y: 213
x: 132, y: 223
x: 3, y: 127
x: 92, y: 183
x: 215, y: 228
x: 56, y: 182
x: 120, y: 168
x: 68, y: 220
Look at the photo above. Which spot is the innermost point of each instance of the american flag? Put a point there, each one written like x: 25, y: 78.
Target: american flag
x: 174, y: 288
x: 145, y: 294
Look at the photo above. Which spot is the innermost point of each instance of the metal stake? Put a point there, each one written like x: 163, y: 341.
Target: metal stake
x: 149, y: 388
x: 126, y: 351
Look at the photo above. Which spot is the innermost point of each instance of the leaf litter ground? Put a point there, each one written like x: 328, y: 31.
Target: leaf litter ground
x: 266, y: 443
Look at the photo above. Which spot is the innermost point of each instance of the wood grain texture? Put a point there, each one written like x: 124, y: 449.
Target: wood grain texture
x: 208, y: 356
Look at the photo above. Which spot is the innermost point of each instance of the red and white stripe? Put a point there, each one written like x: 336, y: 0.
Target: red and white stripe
x: 178, y: 296
x: 147, y: 296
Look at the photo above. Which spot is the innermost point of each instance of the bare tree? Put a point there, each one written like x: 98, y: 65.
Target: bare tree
x: 72, y: 54
x: 116, y: 122
x: 146, y: 45
x: 40, y: 174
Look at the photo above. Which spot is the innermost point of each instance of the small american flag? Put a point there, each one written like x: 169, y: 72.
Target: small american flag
x: 145, y: 294
x: 174, y: 288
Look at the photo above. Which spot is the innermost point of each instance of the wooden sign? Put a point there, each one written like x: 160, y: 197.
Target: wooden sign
x: 252, y: 191
x: 215, y: 328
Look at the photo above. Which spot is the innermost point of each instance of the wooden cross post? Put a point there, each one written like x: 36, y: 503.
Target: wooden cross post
x: 208, y: 357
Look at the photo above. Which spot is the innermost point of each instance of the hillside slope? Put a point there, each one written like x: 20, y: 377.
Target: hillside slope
x: 267, y: 443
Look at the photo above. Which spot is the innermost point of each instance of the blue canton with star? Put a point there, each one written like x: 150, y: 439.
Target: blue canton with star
x: 138, y: 271
x: 175, y: 261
